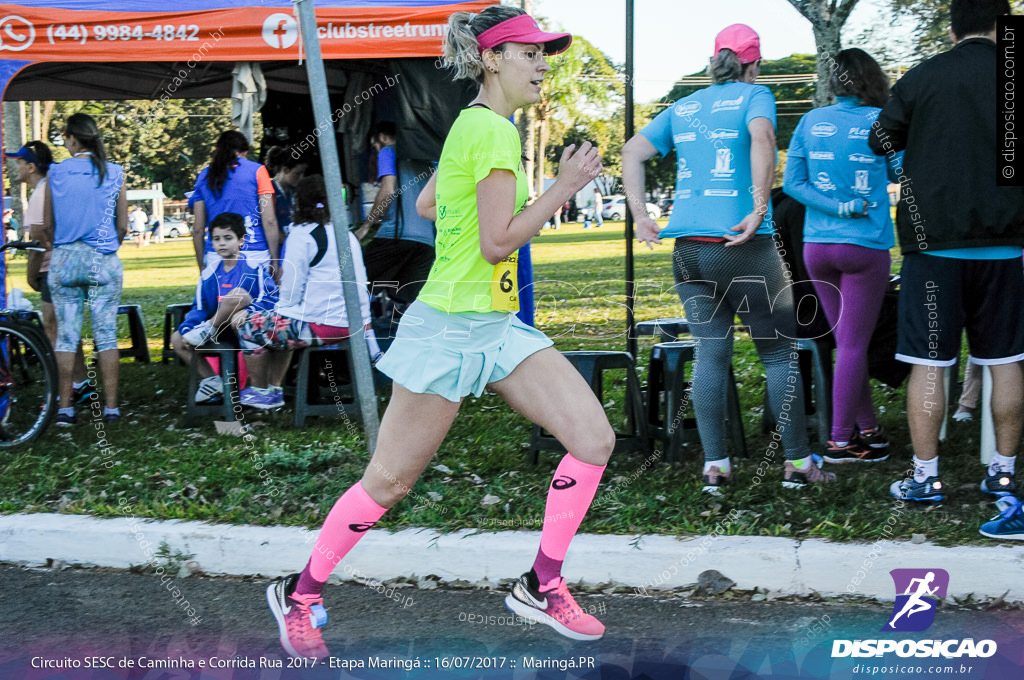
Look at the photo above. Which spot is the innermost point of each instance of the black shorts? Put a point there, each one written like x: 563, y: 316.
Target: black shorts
x: 940, y: 297
x: 393, y: 261
x: 44, y: 287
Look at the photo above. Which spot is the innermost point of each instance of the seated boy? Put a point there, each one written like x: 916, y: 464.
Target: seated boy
x: 223, y: 289
x: 311, y: 309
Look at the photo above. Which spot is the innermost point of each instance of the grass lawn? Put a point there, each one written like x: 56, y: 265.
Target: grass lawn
x: 167, y: 471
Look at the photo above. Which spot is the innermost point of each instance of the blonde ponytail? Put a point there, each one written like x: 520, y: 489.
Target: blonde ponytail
x: 461, y: 48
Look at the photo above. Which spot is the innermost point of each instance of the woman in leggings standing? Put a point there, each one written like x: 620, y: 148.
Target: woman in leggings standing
x: 461, y: 335
x: 725, y: 261
x: 85, y: 217
x: 847, y: 236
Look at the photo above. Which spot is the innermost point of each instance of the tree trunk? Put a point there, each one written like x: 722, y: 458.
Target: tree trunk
x: 45, y: 124
x: 827, y: 18
x: 14, y: 138
x: 528, y: 126
x: 542, y: 147
x: 528, y: 133
x: 827, y: 38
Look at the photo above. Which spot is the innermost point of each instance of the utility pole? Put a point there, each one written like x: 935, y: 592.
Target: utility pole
x: 363, y: 378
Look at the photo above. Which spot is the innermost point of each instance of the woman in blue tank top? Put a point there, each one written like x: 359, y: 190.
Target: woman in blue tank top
x: 85, y: 215
x: 233, y: 183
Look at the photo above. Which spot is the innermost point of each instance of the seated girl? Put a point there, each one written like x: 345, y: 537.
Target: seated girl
x: 311, y: 309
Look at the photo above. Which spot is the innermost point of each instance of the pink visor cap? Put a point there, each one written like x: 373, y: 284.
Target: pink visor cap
x: 742, y: 40
x: 524, y: 29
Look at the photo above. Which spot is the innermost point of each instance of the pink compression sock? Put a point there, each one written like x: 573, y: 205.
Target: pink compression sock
x: 348, y: 521
x: 569, y: 498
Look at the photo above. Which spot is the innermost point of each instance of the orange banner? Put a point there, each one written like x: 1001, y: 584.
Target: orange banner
x: 236, y: 34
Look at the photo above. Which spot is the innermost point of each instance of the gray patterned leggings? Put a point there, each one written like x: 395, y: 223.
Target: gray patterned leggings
x: 716, y: 284
x: 79, y: 272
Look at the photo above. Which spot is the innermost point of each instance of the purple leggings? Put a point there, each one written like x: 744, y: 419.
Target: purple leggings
x: 850, y: 281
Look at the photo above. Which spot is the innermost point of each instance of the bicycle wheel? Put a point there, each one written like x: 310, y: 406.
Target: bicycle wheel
x: 28, y: 384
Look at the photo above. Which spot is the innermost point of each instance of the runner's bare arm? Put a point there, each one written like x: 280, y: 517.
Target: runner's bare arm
x: 635, y: 153
x: 502, y: 232
x: 426, y: 202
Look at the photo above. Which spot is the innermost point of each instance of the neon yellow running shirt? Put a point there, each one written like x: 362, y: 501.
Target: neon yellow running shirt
x: 461, y: 280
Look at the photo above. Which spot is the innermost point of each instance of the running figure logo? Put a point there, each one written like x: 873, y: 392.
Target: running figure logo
x: 918, y: 592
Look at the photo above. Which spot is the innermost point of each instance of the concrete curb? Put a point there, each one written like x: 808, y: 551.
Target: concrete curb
x: 781, y: 565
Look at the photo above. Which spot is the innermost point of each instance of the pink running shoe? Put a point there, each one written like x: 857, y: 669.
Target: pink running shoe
x: 554, y: 607
x: 299, y: 618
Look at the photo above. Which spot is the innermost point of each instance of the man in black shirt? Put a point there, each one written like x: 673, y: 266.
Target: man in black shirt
x: 962, y: 238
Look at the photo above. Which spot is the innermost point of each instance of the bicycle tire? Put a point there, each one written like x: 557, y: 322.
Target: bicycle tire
x: 28, y: 384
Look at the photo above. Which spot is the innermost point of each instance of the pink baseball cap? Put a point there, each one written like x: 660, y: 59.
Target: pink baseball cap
x: 524, y: 29
x: 741, y: 39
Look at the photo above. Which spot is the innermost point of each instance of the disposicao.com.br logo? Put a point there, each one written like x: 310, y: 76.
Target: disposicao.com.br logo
x: 918, y: 592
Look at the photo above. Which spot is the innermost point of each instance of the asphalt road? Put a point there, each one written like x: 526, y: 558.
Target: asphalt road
x: 66, y: 616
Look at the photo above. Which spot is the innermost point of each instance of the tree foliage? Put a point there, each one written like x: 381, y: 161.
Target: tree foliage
x: 581, y: 85
x: 926, y: 21
x: 792, y: 98
x: 156, y: 141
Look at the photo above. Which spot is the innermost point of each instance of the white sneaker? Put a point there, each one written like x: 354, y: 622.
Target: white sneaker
x: 963, y: 415
x: 199, y: 335
x: 209, y: 388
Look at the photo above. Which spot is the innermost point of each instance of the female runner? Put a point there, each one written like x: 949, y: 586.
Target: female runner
x: 461, y: 335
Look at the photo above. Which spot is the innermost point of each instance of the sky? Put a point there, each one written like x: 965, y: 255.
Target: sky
x: 673, y: 38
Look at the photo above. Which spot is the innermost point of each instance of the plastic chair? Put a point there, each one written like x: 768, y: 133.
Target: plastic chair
x: 227, y: 367
x: 668, y: 397
x: 137, y: 331
x: 173, y: 316
x: 592, y: 366
x: 341, y: 400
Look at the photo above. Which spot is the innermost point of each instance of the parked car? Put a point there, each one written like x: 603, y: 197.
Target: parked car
x: 615, y: 209
x: 173, y: 228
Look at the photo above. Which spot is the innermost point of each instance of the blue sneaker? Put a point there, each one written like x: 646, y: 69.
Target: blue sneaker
x: 275, y: 397
x: 1009, y: 523
x: 999, y: 484
x: 262, y: 398
x: 928, y: 491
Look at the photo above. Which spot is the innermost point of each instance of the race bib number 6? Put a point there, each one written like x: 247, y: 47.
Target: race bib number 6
x: 505, y: 285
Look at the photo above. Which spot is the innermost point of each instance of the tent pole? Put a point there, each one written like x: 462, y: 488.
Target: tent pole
x: 630, y: 282
x: 339, y: 216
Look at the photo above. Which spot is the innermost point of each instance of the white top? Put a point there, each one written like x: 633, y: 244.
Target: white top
x: 34, y: 221
x: 311, y: 280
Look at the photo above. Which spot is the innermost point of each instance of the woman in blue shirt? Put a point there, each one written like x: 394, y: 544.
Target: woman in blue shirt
x: 847, y: 236
x: 725, y: 261
x: 85, y: 214
x: 233, y: 183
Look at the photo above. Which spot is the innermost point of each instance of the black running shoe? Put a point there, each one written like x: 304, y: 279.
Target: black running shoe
x: 81, y: 395
x: 855, y: 451
x: 875, y: 438
x: 999, y: 484
x: 928, y: 491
